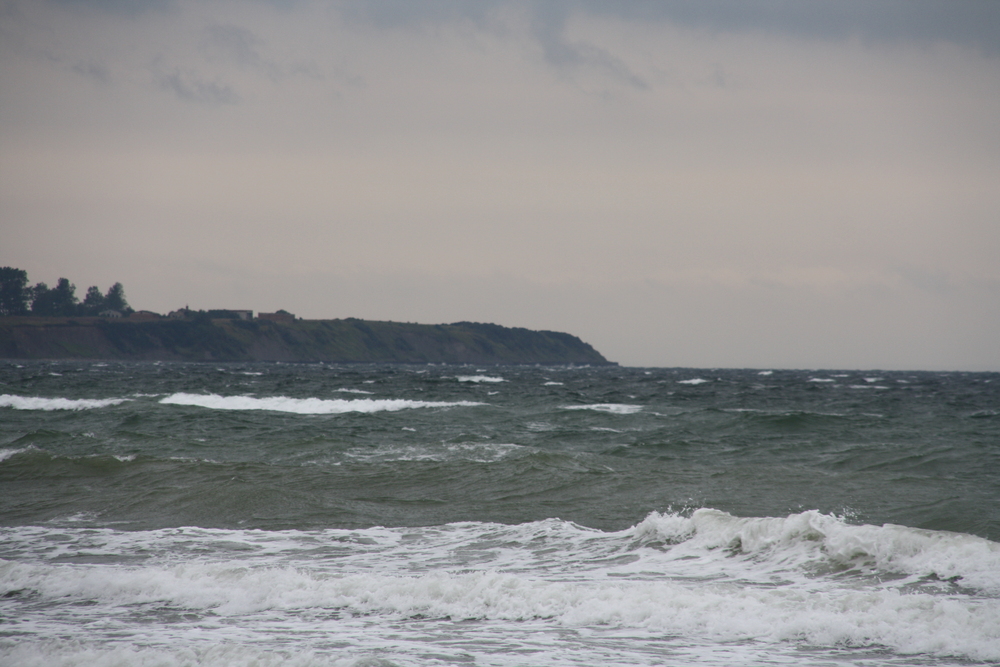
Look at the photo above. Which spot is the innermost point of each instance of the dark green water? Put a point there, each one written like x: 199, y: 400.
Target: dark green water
x: 918, y: 449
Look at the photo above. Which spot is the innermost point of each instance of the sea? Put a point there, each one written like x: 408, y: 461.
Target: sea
x: 210, y: 514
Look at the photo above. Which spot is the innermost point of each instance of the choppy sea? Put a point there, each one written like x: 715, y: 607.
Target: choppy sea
x: 166, y: 514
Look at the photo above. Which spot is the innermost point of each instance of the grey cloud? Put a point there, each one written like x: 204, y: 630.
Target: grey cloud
x: 407, y: 13
x: 237, y: 43
x: 549, y: 28
x: 244, y: 48
x: 970, y: 22
x: 93, y: 71
x: 548, y: 22
x: 127, y: 7
x: 189, y: 87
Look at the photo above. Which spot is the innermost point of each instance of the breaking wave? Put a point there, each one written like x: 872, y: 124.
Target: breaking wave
x: 39, y: 403
x: 305, y: 406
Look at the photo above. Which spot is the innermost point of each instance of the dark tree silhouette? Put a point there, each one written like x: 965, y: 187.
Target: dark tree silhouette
x: 93, y: 303
x: 115, y: 299
x: 14, y: 292
x: 58, y: 301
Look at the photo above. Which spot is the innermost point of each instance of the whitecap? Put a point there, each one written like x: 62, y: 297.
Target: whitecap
x: 305, y: 406
x: 479, y: 378
x: 614, y: 408
x: 7, y: 453
x: 40, y: 403
x: 479, y: 452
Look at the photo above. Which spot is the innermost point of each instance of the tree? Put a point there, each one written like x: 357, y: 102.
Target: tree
x: 40, y: 299
x: 93, y: 303
x: 115, y: 299
x: 14, y: 291
x: 57, y: 301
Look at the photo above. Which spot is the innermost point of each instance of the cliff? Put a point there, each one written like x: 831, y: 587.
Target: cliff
x: 335, y: 341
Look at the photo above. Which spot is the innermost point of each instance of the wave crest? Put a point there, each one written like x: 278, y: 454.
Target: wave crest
x: 41, y: 403
x: 306, y: 406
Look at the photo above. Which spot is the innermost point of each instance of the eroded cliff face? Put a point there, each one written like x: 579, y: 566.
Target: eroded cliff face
x: 337, y: 341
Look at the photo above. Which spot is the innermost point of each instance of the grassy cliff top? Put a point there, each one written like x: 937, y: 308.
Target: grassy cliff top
x: 337, y: 341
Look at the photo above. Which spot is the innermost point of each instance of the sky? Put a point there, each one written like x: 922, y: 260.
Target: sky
x: 705, y: 184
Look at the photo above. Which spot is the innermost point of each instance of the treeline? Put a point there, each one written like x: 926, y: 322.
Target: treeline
x: 18, y: 298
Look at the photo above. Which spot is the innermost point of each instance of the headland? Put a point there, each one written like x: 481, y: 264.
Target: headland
x: 286, y: 339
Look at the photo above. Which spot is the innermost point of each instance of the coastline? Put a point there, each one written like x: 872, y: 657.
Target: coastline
x: 335, y: 341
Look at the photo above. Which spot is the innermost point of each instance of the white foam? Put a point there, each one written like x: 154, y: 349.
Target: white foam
x: 812, y: 538
x: 613, y: 408
x: 473, y: 451
x: 305, y: 406
x: 765, y: 372
x: 479, y: 378
x: 721, y: 611
x: 553, y: 384
x: 355, y: 391
x: 39, y: 403
x: 806, y: 580
x: 821, y: 380
x: 231, y: 654
x: 7, y: 453
x: 692, y: 381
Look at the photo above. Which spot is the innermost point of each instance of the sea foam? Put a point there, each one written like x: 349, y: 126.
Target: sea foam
x: 614, y: 408
x: 305, y: 406
x: 40, y: 403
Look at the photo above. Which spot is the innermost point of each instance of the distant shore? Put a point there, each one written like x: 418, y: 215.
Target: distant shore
x: 336, y: 341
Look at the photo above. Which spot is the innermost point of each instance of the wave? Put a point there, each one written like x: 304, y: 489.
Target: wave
x: 7, y: 453
x: 305, y: 406
x: 805, y: 579
x: 40, y: 403
x: 479, y: 378
x: 614, y: 408
x: 823, y: 543
x: 711, y: 589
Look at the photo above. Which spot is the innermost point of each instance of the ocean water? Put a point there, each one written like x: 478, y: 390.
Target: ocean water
x: 266, y: 514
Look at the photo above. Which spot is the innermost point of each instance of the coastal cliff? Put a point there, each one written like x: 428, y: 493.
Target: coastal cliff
x: 335, y: 341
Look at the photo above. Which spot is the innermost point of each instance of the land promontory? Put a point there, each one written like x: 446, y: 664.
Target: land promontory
x: 334, y: 341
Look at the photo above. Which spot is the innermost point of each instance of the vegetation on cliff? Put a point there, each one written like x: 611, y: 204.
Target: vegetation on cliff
x: 17, y: 298
x: 42, y: 323
x: 336, y: 341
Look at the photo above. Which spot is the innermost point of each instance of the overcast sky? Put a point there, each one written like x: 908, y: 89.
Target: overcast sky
x: 706, y: 184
